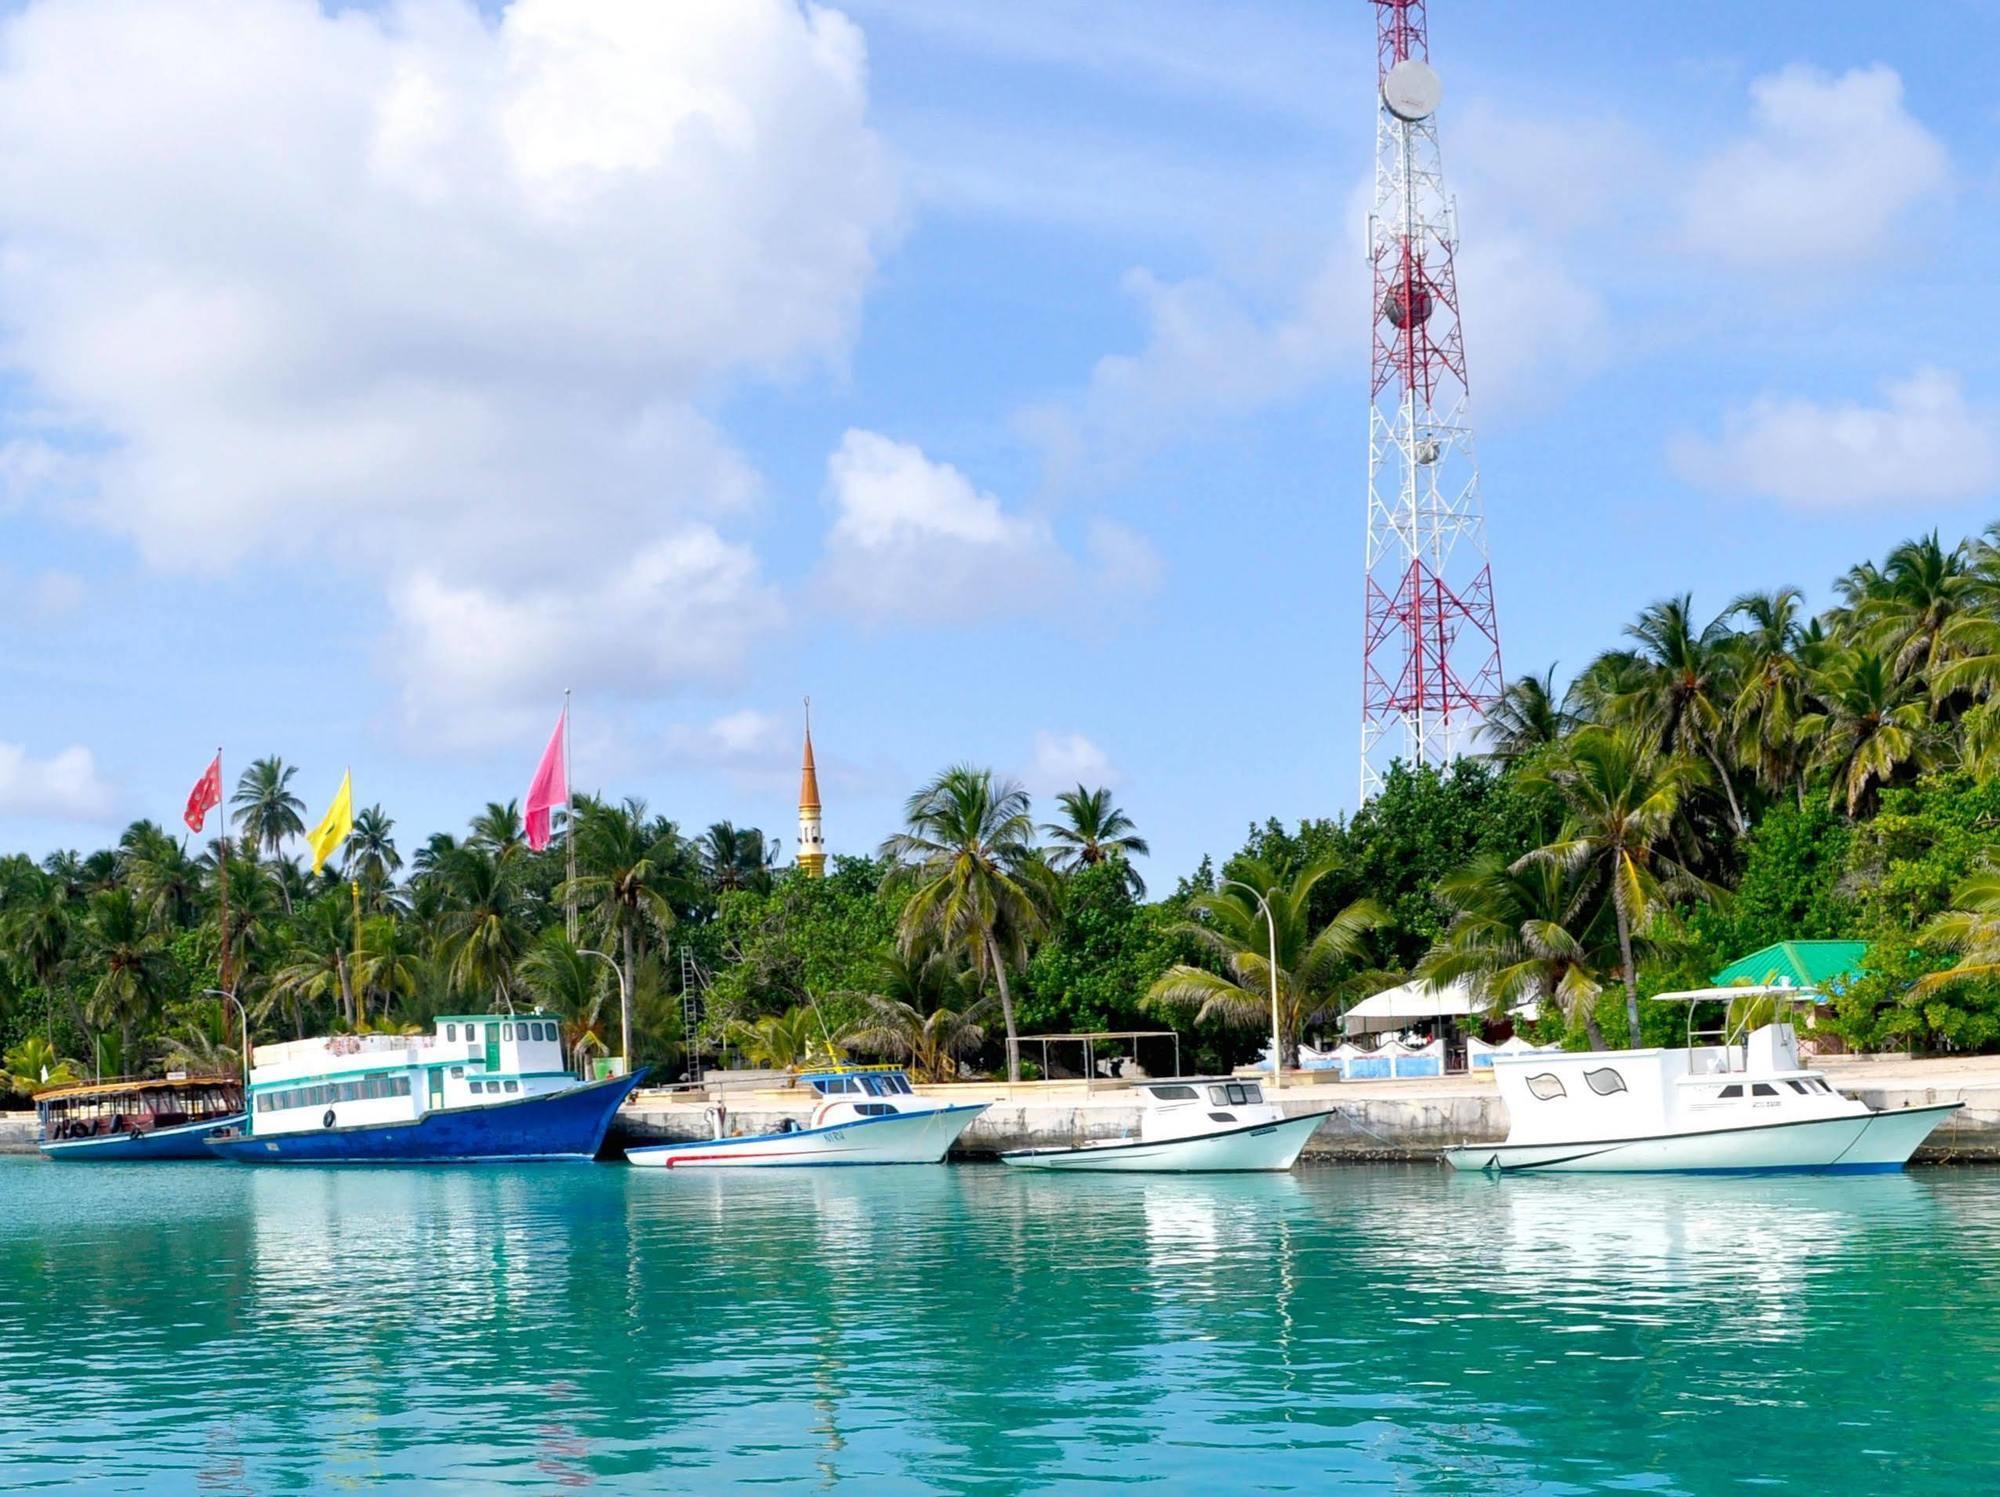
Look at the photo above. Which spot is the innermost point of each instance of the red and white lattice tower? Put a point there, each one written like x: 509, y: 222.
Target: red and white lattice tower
x: 1430, y: 661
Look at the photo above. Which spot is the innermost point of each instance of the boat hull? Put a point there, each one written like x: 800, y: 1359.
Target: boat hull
x: 1262, y: 1147
x: 906, y: 1138
x: 187, y: 1141
x: 569, y: 1124
x: 1859, y: 1144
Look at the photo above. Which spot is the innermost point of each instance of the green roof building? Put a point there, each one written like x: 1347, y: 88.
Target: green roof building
x: 1826, y: 965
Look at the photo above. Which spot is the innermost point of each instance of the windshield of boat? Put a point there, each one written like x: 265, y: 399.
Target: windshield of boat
x: 1236, y: 1094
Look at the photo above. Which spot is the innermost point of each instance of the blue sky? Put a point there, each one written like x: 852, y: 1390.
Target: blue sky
x: 994, y: 374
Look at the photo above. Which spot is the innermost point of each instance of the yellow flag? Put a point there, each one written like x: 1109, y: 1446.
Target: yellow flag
x: 335, y: 825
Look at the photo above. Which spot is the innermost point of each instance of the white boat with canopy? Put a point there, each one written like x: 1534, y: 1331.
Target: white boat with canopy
x: 1191, y: 1123
x: 1743, y: 1104
x: 865, y: 1115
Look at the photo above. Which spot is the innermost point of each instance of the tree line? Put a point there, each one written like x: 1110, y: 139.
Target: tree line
x: 1700, y: 790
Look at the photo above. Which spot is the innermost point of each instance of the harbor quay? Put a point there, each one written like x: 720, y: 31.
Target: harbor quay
x: 1412, y: 1120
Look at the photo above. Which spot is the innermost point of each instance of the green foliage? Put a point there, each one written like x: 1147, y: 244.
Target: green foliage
x: 1106, y: 951
x: 805, y: 935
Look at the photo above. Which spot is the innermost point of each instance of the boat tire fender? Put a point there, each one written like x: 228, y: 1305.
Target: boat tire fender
x: 327, y: 1121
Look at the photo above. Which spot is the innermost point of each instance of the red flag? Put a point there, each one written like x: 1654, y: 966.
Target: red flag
x: 550, y: 786
x: 206, y: 795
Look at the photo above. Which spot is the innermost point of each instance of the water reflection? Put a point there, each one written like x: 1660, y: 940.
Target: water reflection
x: 958, y: 1329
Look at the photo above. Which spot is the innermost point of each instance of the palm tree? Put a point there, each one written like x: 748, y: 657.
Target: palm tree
x: 1093, y: 831
x: 134, y: 971
x: 1686, y: 678
x: 1972, y: 929
x: 1523, y: 934
x: 317, y: 968
x: 921, y: 1008
x: 33, y: 1064
x: 388, y: 963
x: 166, y: 881
x: 1528, y: 717
x: 562, y: 980
x: 370, y: 857
x: 268, y: 812
x: 627, y: 878
x: 977, y: 884
x: 483, y: 929
x: 1911, y: 603
x: 784, y: 1041
x: 202, y: 1045
x: 1314, y: 967
x: 1869, y: 726
x: 1622, y: 799
x: 498, y: 829
x: 1771, y: 687
x: 735, y: 857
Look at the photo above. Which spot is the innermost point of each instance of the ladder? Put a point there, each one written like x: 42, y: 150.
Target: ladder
x: 694, y: 982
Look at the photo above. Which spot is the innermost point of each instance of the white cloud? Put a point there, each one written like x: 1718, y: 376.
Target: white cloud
x: 1924, y: 444
x: 1831, y: 168
x: 40, y: 597
x: 435, y: 296
x: 913, y: 539
x: 1063, y: 761
x: 63, y: 787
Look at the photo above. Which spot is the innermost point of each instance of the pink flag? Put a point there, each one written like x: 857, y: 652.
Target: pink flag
x: 550, y: 786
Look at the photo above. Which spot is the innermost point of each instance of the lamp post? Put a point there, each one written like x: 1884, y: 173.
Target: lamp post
x: 244, y: 1014
x: 1270, y: 924
x: 624, y: 1006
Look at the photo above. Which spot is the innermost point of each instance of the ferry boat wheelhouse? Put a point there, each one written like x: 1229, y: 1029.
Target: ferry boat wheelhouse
x: 865, y: 1115
x: 478, y: 1086
x: 166, y: 1117
x: 1747, y: 1104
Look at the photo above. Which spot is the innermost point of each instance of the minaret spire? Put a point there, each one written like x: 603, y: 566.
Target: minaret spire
x: 812, y: 841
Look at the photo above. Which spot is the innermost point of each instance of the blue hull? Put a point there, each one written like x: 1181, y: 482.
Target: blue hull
x: 563, y: 1125
x: 189, y: 1141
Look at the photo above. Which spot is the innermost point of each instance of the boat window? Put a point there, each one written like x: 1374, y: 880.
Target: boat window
x: 900, y: 1085
x: 1801, y: 1088
x: 506, y: 1031
x: 1252, y: 1092
x: 1729, y: 1092
x: 472, y: 1033
x: 1237, y: 1095
x: 513, y: 1086
x: 1223, y: 1117
x: 1605, y: 1081
x: 402, y: 1086
x: 451, y: 1032
x: 458, y: 1070
x: 1546, y: 1087
x: 875, y: 1109
x: 1761, y: 1089
x: 1176, y: 1093
x: 1217, y: 1095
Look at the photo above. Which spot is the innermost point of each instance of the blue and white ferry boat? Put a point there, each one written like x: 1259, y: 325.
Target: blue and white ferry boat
x: 164, y: 1117
x: 479, y: 1086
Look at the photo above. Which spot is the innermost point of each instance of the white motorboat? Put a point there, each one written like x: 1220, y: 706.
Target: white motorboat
x: 1191, y: 1123
x: 865, y: 1115
x: 1743, y: 1105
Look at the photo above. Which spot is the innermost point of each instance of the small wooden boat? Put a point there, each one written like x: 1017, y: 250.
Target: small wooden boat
x: 167, y: 1117
x: 1192, y: 1123
x: 865, y: 1115
x: 1746, y: 1105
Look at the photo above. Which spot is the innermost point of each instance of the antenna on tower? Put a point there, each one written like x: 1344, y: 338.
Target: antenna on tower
x: 1430, y: 651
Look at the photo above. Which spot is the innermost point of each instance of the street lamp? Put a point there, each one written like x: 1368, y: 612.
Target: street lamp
x: 244, y: 1014
x: 624, y: 1007
x: 1270, y: 924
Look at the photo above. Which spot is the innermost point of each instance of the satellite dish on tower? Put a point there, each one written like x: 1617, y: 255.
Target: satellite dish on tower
x: 1412, y: 90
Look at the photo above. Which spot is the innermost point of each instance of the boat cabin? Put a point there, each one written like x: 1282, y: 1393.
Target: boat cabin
x: 104, y: 1109
x: 851, y: 1092
x: 1752, y: 1077
x: 348, y: 1080
x: 1185, y: 1106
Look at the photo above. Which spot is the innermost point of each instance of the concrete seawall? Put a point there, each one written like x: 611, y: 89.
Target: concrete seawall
x: 17, y: 1133
x: 1375, y: 1120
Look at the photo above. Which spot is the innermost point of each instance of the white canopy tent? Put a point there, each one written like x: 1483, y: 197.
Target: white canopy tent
x: 1414, y: 1002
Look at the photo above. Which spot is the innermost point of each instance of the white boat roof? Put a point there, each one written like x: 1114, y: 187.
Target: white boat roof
x: 1416, y: 999
x: 1723, y: 995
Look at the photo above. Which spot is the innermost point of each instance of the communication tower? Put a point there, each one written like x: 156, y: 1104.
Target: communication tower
x: 1430, y: 659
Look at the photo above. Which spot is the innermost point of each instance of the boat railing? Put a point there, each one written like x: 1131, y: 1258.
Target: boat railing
x: 1736, y: 1021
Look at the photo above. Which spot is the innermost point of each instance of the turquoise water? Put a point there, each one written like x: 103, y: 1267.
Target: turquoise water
x: 210, y: 1328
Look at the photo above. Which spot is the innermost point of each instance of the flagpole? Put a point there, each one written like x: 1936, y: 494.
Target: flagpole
x: 222, y: 888
x: 569, y: 823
